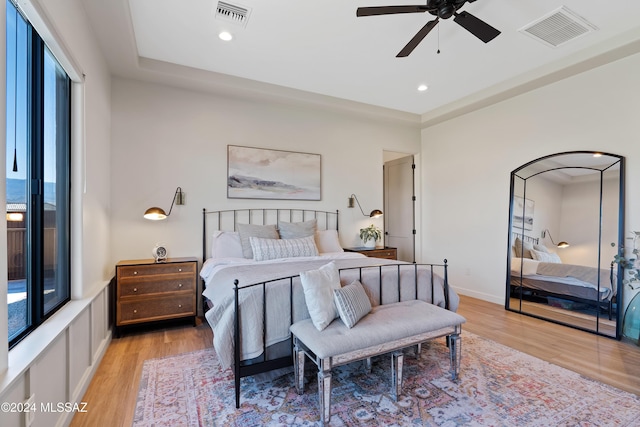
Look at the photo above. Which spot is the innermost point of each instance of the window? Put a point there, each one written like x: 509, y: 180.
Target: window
x: 37, y: 178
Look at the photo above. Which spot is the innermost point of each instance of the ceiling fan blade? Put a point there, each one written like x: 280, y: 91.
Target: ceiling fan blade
x: 390, y: 10
x: 476, y: 26
x: 415, y: 41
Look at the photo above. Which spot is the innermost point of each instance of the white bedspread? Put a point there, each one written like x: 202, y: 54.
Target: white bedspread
x: 219, y: 276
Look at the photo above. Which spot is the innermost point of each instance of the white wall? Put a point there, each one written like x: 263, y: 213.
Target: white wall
x: 467, y: 163
x: 165, y: 137
x: 56, y: 362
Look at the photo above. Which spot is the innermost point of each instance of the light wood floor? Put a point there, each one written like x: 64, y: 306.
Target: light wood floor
x: 111, y: 396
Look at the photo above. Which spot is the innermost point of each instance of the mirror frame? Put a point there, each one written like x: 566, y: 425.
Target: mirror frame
x: 620, y: 242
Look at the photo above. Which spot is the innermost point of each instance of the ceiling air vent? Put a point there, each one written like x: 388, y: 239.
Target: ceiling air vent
x: 558, y: 27
x: 232, y: 13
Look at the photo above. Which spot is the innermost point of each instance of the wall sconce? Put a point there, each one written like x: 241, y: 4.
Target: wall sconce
x: 560, y: 245
x: 374, y: 213
x: 156, y: 213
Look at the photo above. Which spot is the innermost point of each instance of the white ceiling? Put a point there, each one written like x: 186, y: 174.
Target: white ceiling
x: 320, y: 50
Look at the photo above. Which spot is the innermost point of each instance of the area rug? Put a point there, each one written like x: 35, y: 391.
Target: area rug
x: 497, y: 386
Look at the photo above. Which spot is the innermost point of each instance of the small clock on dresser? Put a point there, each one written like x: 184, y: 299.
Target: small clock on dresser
x: 159, y: 253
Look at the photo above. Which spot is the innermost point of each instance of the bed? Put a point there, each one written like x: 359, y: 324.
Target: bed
x: 251, y: 299
x: 537, y: 272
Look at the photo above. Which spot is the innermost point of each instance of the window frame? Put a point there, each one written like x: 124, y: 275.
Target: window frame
x: 37, y: 310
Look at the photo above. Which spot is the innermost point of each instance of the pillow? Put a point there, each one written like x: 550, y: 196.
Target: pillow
x: 523, y: 249
x: 318, y: 286
x: 328, y: 241
x: 546, y: 256
x: 253, y: 230
x: 541, y: 248
x: 352, y: 303
x: 226, y: 244
x: 295, y: 230
x: 265, y: 249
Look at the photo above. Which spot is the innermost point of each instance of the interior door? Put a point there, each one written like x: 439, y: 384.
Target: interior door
x: 399, y: 207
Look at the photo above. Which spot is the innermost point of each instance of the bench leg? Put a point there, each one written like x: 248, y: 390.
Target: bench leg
x: 298, y: 368
x: 324, y: 391
x: 367, y: 365
x: 455, y: 352
x: 418, y: 350
x: 397, y: 362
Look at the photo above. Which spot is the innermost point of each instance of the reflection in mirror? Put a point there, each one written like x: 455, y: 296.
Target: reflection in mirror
x: 565, y: 226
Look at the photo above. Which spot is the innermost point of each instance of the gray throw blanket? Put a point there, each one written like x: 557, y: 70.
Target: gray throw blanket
x: 586, y: 274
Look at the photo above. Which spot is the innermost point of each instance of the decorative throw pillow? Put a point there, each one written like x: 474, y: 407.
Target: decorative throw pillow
x: 352, y: 303
x: 523, y: 249
x: 295, y: 230
x: 318, y: 286
x: 327, y: 241
x: 254, y: 230
x: 546, y: 256
x: 265, y: 249
x: 541, y: 248
x: 226, y: 244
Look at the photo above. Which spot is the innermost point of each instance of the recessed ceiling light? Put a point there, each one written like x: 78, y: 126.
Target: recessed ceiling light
x: 423, y: 88
x: 225, y: 35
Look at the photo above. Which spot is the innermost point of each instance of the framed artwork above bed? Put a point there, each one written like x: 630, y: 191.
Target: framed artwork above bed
x: 260, y: 173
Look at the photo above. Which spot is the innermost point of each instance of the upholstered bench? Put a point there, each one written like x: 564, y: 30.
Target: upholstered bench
x: 388, y: 328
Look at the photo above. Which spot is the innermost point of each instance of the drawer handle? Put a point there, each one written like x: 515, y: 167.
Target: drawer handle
x: 135, y: 272
x: 179, y: 269
x: 179, y: 305
x: 135, y: 311
x: 135, y: 289
x: 179, y: 285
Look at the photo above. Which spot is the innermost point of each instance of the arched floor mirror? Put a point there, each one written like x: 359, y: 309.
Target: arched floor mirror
x: 566, y: 220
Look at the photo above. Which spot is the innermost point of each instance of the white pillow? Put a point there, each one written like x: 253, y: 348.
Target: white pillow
x: 327, y: 241
x: 226, y: 244
x: 318, y: 286
x: 352, y: 303
x: 265, y: 249
x: 546, y: 256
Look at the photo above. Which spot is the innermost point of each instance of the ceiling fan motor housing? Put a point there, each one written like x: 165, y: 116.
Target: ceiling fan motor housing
x: 444, y: 9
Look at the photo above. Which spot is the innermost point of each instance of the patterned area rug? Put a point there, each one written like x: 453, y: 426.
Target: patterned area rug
x: 498, y: 386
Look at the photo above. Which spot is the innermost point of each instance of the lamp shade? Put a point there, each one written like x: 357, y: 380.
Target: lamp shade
x: 155, y: 214
x: 375, y: 213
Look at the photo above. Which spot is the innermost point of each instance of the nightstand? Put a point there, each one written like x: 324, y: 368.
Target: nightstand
x: 386, y: 252
x: 149, y: 291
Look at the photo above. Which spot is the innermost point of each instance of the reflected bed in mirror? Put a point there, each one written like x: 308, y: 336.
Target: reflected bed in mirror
x: 573, y: 197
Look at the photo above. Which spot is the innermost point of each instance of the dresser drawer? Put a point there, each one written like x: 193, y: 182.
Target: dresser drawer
x: 159, y: 269
x: 150, y: 309
x: 150, y: 286
x: 383, y: 253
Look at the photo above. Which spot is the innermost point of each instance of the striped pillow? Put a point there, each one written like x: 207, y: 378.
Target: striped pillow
x: 352, y: 303
x: 265, y: 249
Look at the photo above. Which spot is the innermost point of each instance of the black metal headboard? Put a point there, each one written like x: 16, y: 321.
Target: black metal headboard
x: 227, y: 220
x: 524, y: 238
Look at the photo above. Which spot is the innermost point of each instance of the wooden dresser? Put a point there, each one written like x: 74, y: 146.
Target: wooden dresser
x: 386, y: 252
x: 147, y: 291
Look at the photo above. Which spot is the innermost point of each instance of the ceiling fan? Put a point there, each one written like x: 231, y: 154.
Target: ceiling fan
x: 441, y: 9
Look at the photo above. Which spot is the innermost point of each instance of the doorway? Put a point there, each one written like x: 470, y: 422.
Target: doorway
x: 400, y: 204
